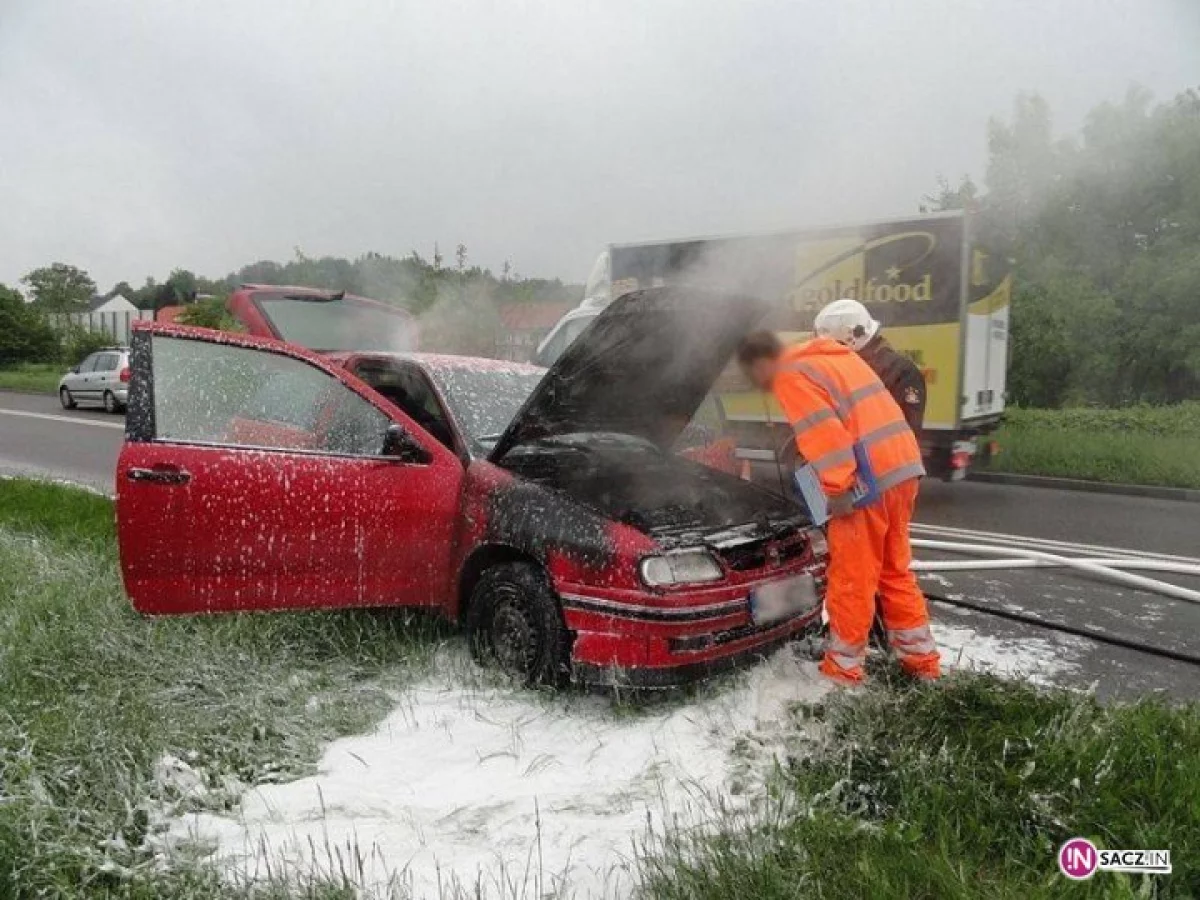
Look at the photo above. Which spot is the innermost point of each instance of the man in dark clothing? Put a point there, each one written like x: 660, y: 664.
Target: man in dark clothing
x: 848, y: 322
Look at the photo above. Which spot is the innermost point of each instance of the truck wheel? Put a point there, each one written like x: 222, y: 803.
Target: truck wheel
x: 513, y: 622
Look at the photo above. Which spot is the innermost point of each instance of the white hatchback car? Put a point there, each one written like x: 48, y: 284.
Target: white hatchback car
x: 101, y: 379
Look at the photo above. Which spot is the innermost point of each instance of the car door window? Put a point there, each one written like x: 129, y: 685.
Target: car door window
x: 224, y: 394
x: 407, y: 387
x: 107, y: 362
x: 89, y: 364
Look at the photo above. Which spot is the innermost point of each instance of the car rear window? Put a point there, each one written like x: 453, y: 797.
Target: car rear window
x: 325, y: 324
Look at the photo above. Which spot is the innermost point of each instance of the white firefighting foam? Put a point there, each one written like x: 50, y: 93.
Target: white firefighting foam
x: 499, y: 792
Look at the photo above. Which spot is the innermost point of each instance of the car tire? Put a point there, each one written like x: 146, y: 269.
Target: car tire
x: 110, y: 403
x: 514, y: 623
x: 65, y: 398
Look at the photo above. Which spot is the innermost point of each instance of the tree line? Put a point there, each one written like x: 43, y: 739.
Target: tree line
x: 1103, y: 229
x: 457, y: 302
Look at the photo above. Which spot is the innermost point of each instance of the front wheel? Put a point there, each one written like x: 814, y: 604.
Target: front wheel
x: 513, y: 622
x: 65, y: 398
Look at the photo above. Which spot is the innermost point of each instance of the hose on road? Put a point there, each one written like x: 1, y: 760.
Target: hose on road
x: 1086, y: 566
x: 1017, y: 555
x: 1098, y: 636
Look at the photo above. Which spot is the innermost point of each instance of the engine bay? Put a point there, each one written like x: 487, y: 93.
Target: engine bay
x: 632, y: 481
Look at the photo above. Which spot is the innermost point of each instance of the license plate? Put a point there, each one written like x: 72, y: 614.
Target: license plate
x: 781, y: 600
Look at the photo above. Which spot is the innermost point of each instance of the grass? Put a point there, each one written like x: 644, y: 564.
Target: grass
x: 1138, y: 445
x: 962, y: 790
x: 41, y: 378
x: 91, y: 695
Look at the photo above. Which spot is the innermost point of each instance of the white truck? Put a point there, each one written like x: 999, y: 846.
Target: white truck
x: 934, y: 281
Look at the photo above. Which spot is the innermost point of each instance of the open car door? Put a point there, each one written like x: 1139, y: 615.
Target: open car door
x: 255, y: 476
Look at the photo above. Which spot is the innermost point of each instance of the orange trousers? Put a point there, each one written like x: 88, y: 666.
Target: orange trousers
x: 869, y: 555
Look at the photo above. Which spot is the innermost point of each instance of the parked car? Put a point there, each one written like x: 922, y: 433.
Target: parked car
x: 102, y: 379
x: 544, y: 510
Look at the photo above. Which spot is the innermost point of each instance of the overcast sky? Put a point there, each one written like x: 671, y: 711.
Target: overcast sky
x: 141, y: 135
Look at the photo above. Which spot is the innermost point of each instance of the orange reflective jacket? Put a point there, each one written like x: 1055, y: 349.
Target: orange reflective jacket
x: 833, y: 399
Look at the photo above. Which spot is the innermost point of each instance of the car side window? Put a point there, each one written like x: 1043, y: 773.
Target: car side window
x: 223, y: 394
x: 408, y: 388
x: 107, y: 362
x: 89, y: 363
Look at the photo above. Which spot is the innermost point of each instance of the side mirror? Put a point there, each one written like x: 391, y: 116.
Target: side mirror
x: 399, y: 444
x: 74, y: 370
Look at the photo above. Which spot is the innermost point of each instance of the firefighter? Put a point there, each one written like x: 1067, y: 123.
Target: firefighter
x: 848, y: 322
x: 833, y: 400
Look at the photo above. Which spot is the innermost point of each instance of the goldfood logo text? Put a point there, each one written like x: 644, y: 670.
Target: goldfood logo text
x: 882, y: 270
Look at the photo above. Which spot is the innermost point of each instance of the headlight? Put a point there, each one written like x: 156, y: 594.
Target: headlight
x: 688, y: 567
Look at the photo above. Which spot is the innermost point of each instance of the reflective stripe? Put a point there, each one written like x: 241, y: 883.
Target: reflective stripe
x: 833, y: 458
x: 803, y: 424
x: 884, y: 431
x: 834, y: 392
x: 846, y: 655
x: 845, y: 403
x: 912, y: 641
x: 898, y: 475
x: 867, y: 390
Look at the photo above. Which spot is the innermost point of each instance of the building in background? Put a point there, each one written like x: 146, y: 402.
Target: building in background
x: 522, y: 327
x: 114, y: 304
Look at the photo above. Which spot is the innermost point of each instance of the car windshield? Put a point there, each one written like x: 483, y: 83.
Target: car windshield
x: 485, y: 399
x: 320, y: 323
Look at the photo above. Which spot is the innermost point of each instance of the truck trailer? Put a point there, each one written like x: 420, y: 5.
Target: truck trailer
x: 935, y: 282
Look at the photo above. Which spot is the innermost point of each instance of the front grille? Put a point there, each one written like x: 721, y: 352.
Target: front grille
x: 759, y: 554
x: 694, y: 643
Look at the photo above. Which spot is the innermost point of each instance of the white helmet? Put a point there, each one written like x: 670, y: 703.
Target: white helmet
x: 847, y: 322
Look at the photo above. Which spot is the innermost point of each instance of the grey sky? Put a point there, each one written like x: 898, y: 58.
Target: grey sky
x: 139, y: 135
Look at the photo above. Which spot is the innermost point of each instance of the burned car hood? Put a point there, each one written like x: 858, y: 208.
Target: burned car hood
x: 642, y: 368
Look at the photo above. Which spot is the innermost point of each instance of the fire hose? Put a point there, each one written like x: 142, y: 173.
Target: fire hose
x: 1015, y: 553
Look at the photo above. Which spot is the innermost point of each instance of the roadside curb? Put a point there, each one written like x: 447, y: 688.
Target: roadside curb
x: 1159, y: 492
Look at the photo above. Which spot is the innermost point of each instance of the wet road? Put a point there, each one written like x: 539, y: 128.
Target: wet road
x: 38, y: 437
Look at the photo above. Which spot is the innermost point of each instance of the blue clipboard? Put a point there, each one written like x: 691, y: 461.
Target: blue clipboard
x: 807, y: 484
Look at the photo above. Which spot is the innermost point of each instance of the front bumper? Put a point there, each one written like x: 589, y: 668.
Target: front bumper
x: 680, y: 673
x: 623, y: 644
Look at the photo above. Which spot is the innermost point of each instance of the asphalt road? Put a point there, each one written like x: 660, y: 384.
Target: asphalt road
x: 38, y: 437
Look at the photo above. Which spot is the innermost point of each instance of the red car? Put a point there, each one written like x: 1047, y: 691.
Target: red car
x: 542, y: 509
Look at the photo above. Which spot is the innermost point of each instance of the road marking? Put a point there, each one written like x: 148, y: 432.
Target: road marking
x: 49, y: 417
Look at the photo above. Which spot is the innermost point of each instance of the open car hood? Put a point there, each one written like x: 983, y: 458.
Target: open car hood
x: 641, y: 368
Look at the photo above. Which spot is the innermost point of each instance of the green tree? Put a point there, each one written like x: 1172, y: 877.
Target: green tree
x: 60, y: 287
x: 1103, y: 229
x: 124, y: 288
x: 24, y: 334
x: 945, y: 197
x: 183, y: 283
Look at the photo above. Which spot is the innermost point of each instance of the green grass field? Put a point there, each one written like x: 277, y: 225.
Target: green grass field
x: 35, y: 377
x: 963, y: 789
x: 1138, y: 445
